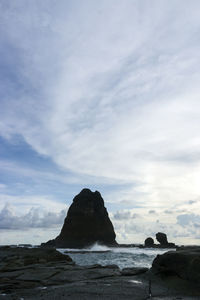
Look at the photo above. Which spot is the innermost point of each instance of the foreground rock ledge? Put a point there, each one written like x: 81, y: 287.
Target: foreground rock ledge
x: 48, y: 274
x: 87, y: 222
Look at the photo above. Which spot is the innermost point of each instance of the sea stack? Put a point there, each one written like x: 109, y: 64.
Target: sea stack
x: 87, y: 222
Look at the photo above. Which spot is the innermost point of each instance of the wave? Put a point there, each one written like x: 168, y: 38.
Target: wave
x: 97, y: 247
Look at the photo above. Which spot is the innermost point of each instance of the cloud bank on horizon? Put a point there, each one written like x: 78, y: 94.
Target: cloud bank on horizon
x: 106, y: 95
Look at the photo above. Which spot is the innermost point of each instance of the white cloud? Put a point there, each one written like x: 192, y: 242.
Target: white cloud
x: 34, y: 218
x: 23, y: 204
x: 152, y: 211
x: 124, y: 215
x: 188, y: 219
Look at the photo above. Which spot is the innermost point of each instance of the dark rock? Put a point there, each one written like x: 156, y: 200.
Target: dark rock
x: 25, y: 245
x: 87, y: 273
x: 184, y: 263
x: 161, y: 238
x: 61, y: 280
x: 133, y: 271
x: 87, y: 222
x: 128, y: 245
x: 171, y: 245
x: 149, y: 242
x: 189, y: 248
x: 14, y: 258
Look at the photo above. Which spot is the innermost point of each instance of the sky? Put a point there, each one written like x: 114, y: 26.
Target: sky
x: 101, y: 95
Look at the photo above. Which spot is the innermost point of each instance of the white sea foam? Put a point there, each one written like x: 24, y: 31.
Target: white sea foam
x: 97, y: 247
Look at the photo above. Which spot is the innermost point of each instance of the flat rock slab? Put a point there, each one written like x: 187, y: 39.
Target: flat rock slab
x: 38, y: 274
x: 85, y: 274
x: 10, y: 275
x: 120, y: 288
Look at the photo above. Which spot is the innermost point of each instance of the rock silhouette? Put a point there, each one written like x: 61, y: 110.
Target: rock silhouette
x: 162, y: 238
x: 149, y: 242
x: 87, y: 222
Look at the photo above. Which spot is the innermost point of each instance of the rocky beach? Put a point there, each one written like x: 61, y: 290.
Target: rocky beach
x: 42, y: 273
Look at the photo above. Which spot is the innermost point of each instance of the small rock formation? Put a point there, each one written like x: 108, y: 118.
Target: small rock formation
x: 149, y: 242
x: 87, y: 222
x: 162, y: 238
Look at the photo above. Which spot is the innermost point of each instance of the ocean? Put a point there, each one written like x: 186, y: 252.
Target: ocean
x: 123, y: 257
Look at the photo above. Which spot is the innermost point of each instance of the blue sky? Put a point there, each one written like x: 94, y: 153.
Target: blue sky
x: 104, y: 95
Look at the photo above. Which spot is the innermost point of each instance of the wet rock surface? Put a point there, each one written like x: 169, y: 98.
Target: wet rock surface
x: 55, y: 276
x: 87, y: 222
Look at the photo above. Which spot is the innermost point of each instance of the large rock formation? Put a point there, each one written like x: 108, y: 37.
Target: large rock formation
x: 87, y: 222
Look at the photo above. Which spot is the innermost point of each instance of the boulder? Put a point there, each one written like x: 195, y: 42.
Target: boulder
x: 149, y: 242
x: 161, y: 238
x: 87, y: 222
x: 184, y: 264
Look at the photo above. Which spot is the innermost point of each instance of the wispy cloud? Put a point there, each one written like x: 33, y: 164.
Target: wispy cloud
x: 26, y: 202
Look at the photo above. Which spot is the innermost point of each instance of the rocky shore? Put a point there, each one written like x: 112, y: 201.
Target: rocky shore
x: 41, y: 273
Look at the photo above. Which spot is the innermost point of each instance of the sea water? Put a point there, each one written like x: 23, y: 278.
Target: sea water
x: 123, y: 257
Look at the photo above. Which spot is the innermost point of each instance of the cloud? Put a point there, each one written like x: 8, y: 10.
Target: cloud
x: 34, y: 218
x: 152, y: 211
x: 192, y: 201
x: 187, y: 219
x: 168, y: 211
x: 2, y: 186
x: 125, y: 215
x: 122, y: 215
x: 26, y: 202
